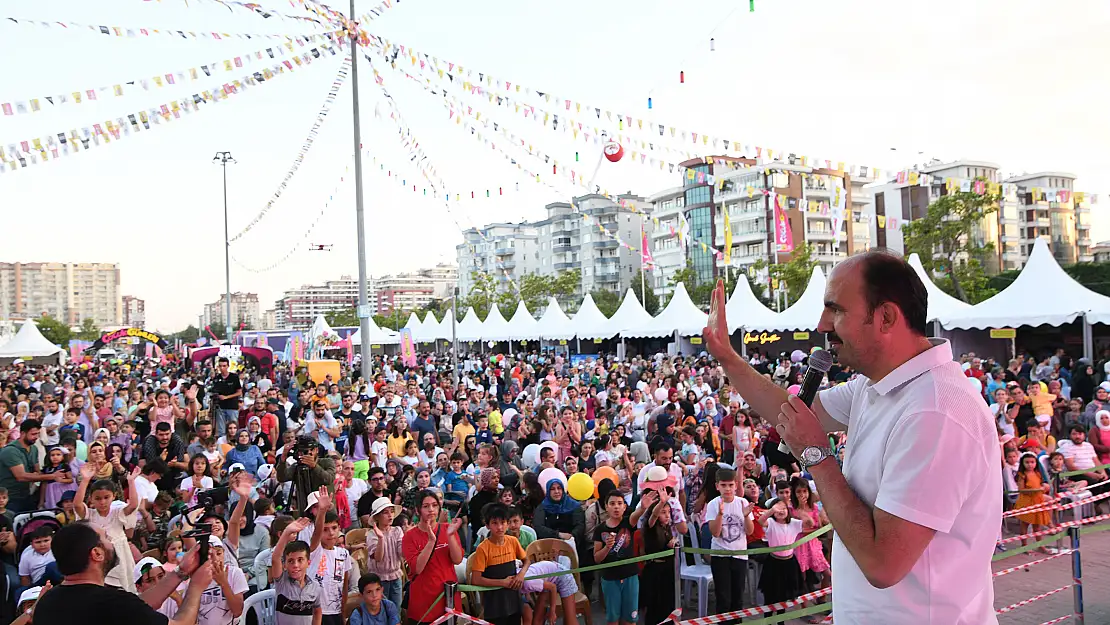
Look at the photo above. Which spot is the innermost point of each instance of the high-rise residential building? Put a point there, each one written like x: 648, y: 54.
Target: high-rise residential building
x: 414, y: 290
x: 1058, y: 214
x: 667, y: 249
x: 244, y: 311
x: 134, y: 311
x: 299, y: 307
x: 69, y: 292
x: 269, y: 319
x: 504, y: 251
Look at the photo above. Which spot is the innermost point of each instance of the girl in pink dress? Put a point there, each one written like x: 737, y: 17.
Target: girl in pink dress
x: 811, y: 556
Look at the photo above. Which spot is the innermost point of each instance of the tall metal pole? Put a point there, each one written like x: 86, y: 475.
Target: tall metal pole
x: 222, y: 159
x: 455, y: 337
x: 360, y: 220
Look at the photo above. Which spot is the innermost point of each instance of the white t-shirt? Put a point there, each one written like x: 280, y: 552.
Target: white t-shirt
x: 381, y: 451
x: 922, y: 424
x: 357, y: 489
x: 311, y: 425
x: 732, y: 536
x: 33, y: 564
x: 328, y: 568
x: 146, y: 489
x: 1084, y: 456
x: 214, y: 609
x: 51, y: 420
x: 187, y: 486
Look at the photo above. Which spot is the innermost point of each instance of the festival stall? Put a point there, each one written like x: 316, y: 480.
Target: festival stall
x: 378, y: 336
x: 31, y: 346
x: 260, y: 357
x: 442, y: 330
x: 744, y: 308
x: 941, y: 304
x: 495, y: 328
x: 554, y: 324
x: 589, y: 323
x: 522, y: 327
x: 680, y: 318
x: 793, y: 328
x: 469, y: 328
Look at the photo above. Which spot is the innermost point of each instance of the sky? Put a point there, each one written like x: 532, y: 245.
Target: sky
x: 1015, y: 82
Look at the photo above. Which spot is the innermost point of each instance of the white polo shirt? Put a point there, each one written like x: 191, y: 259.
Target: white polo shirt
x: 922, y: 446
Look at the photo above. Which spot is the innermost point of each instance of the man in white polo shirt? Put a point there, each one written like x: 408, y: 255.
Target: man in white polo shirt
x: 905, y: 550
x: 1079, y: 455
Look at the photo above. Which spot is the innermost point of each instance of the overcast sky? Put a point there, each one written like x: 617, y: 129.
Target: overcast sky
x: 1016, y: 82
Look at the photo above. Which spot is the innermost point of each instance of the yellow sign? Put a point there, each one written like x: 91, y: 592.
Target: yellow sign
x: 375, y: 347
x: 762, y: 338
x: 801, y: 336
x: 524, y: 342
x: 695, y: 340
x: 562, y: 341
x: 597, y: 341
x: 1003, y: 333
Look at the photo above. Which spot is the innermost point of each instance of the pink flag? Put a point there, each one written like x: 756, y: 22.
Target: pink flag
x: 784, y: 237
x: 646, y: 261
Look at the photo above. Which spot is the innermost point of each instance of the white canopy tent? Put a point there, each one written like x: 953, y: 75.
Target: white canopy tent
x: 443, y: 328
x: 378, y: 336
x: 428, y: 329
x: 1043, y: 293
x: 744, y: 309
x: 680, y: 316
x: 495, y: 328
x: 941, y: 304
x: 554, y: 323
x: 29, y: 344
x: 321, y: 329
x: 523, y: 326
x: 589, y: 322
x: 469, y: 328
x: 413, y: 323
x: 805, y: 314
x: 630, y: 315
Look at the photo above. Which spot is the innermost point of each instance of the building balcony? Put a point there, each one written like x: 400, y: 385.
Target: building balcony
x: 504, y: 251
x: 1082, y: 210
x: 562, y: 247
x: 743, y: 237
x: 1041, y: 222
x: 607, y: 260
x: 1082, y: 226
x: 606, y: 244
x: 819, y: 235
x: 830, y: 257
x: 507, y: 264
x: 568, y: 266
x: 861, y: 198
x: 1086, y: 258
x: 1083, y: 242
x: 564, y: 231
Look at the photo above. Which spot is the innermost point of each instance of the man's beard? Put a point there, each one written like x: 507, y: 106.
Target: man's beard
x: 110, y: 563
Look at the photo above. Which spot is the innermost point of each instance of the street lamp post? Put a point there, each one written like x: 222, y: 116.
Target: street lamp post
x: 222, y: 159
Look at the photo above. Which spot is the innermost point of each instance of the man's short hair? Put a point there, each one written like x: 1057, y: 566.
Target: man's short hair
x: 495, y: 511
x: 203, y: 422
x: 366, y: 580
x: 71, y: 547
x: 889, y: 278
x: 155, y: 466
x: 726, y: 475
x: 28, y: 425
x: 1077, y: 427
x: 661, y: 445
x: 163, y: 427
x: 223, y: 360
x: 294, y: 547
x: 514, y: 512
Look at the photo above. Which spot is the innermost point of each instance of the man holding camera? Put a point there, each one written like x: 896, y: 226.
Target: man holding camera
x: 226, y: 392
x: 303, y: 466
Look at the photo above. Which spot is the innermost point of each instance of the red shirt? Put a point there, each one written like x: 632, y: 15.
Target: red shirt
x: 429, y: 583
x: 757, y: 529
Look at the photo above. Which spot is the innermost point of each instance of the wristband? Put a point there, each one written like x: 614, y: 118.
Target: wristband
x: 180, y: 574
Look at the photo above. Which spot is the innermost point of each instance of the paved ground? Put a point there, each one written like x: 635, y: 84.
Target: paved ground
x: 1022, y: 585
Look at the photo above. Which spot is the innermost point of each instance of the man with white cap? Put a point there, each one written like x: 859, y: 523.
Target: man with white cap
x: 222, y: 601
x: 148, y: 572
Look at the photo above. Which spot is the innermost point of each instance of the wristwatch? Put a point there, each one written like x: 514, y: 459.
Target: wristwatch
x: 814, y: 455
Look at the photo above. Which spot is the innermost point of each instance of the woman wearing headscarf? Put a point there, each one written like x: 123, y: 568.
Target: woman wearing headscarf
x: 511, y: 471
x: 488, y: 480
x: 1099, y: 436
x: 559, y: 516
x: 1083, y: 383
x: 258, y: 438
x: 245, y: 453
x: 253, y: 539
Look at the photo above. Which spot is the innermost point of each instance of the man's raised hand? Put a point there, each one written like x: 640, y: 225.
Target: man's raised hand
x: 716, y: 333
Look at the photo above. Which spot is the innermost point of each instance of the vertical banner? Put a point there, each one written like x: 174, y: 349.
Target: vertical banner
x: 647, y: 263
x: 408, y: 348
x: 838, y: 201
x: 350, y: 349
x: 784, y: 236
x: 728, y: 236
x: 150, y: 350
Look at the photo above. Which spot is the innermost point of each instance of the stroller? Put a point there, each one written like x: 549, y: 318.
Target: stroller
x: 28, y: 522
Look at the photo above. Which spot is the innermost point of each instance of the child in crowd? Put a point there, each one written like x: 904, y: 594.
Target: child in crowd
x: 298, y: 596
x: 658, y: 574
x: 494, y: 564
x: 730, y: 521
x: 383, y: 546
x: 329, y: 564
x: 68, y: 513
x: 111, y: 516
x: 199, y: 479
x: 4, y: 505
x: 613, y: 542
x: 57, y: 461
x: 375, y: 609
x: 455, y: 486
x: 544, y: 594
x: 71, y: 425
x: 1032, y: 489
x: 36, y: 563
x: 483, y: 435
x: 212, y: 452
x: 691, y: 447
x: 264, y: 512
x: 781, y: 579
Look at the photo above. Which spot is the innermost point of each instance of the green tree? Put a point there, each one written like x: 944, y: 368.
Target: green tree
x: 607, y: 301
x: 482, y: 295
x: 647, y: 297
x: 393, y: 322
x: 188, y: 335
x: 217, y: 328
x: 792, y: 275
x: 535, y: 290
x: 567, y: 286
x: 946, y: 239
x: 89, y: 330
x: 343, y: 317
x: 54, y: 331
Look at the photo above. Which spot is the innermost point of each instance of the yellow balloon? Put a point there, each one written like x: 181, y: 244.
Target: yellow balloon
x: 580, y: 486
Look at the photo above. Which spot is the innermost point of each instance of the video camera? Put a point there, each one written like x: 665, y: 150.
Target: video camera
x: 302, y: 446
x: 207, y: 500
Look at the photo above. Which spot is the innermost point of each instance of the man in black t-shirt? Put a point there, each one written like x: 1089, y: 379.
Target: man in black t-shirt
x: 83, y: 555
x: 226, y: 392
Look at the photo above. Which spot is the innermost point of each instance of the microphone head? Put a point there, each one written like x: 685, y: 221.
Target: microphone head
x: 821, y: 360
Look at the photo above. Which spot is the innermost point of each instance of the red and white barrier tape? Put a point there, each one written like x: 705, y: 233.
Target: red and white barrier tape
x: 1040, y: 507
x: 1029, y: 564
x: 672, y: 617
x: 1058, y: 619
x: 441, y: 619
x: 1085, y: 500
x: 771, y: 607
x: 1056, y: 529
x: 1026, y: 602
x: 472, y: 619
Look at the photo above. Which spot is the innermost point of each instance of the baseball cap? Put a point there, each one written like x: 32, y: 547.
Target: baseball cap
x: 238, y: 466
x: 31, y: 594
x: 145, y: 565
x: 265, y: 471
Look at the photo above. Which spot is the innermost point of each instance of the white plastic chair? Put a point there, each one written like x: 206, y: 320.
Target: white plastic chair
x: 264, y: 604
x: 700, y: 573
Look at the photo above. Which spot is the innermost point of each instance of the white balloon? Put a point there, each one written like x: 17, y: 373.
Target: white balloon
x: 531, y: 455
x: 660, y: 394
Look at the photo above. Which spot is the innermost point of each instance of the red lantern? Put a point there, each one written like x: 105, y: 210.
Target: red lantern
x: 613, y: 151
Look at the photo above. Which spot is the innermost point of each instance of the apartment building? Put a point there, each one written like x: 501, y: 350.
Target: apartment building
x: 70, y: 292
x: 1048, y: 207
x: 134, y: 311
x: 503, y: 250
x: 667, y: 247
x: 269, y: 319
x: 299, y: 307
x: 244, y: 310
x: 411, y: 291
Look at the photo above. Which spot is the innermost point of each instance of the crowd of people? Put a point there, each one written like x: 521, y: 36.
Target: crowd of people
x: 356, y: 499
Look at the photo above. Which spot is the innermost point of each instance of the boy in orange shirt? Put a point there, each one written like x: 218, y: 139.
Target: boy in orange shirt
x: 494, y: 564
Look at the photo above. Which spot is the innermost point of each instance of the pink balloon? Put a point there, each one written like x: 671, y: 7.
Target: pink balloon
x: 794, y: 389
x: 551, y: 473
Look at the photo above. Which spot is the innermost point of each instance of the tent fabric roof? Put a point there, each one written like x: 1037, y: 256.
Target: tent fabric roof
x: 30, y: 343
x: 629, y: 315
x: 941, y: 304
x: 744, y: 308
x: 680, y: 315
x: 495, y: 328
x: 805, y: 314
x: 443, y: 328
x: 378, y: 336
x: 589, y: 322
x: 321, y: 328
x: 469, y: 328
x: 1043, y: 293
x: 554, y: 323
x: 428, y: 329
x: 523, y: 325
